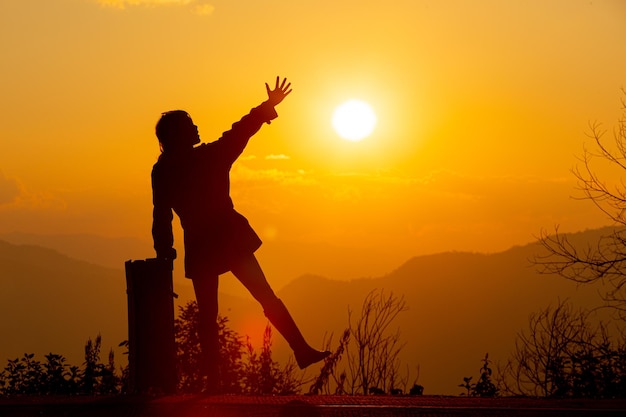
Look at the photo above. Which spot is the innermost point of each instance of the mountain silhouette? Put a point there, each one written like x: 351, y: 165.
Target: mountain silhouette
x: 104, y: 251
x: 460, y: 306
x: 52, y: 303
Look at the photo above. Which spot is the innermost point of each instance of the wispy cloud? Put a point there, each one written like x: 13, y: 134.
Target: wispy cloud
x: 15, y: 196
x: 204, y: 9
x: 123, y: 3
x: 201, y: 7
x: 274, y: 157
x: 272, y: 177
x: 270, y: 157
x: 9, y: 189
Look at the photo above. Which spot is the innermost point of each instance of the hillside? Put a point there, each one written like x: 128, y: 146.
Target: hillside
x: 313, y: 258
x: 52, y: 303
x: 109, y: 252
x: 461, y: 305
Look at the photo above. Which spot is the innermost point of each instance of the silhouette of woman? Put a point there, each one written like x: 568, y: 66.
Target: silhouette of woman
x: 193, y: 181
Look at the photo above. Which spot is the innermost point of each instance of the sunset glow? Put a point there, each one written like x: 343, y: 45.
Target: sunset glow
x: 472, y: 110
x: 414, y: 127
x: 468, y: 110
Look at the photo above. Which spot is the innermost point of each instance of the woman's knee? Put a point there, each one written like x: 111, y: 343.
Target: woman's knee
x: 250, y: 274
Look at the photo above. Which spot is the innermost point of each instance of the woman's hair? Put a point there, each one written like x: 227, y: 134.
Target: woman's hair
x: 168, y: 126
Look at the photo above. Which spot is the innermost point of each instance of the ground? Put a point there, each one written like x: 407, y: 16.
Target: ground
x: 303, y: 406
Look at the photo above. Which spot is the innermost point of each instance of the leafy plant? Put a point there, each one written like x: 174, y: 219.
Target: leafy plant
x: 242, y: 370
x: 28, y: 376
x: 262, y: 375
x: 485, y: 387
x: 467, y: 384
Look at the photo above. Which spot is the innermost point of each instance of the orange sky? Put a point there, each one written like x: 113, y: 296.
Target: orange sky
x: 482, y: 109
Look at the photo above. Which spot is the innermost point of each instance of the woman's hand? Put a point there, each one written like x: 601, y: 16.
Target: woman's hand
x: 279, y: 92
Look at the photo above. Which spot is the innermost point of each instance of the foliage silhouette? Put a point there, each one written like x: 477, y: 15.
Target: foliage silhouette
x: 564, y: 355
x: 242, y: 370
x: 467, y: 384
x: 584, y: 363
x: 264, y: 376
x: 98, y: 378
x: 28, y: 376
x: 485, y: 386
x: 375, y: 363
x: 606, y: 261
x: 321, y: 385
x: 367, y: 358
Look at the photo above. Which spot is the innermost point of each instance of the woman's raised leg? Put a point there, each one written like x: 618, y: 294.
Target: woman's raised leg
x: 249, y: 272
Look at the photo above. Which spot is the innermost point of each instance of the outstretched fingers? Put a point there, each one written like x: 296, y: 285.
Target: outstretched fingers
x: 283, y: 88
x: 280, y: 91
x: 287, y: 89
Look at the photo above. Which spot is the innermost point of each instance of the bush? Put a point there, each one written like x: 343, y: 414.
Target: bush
x: 28, y: 376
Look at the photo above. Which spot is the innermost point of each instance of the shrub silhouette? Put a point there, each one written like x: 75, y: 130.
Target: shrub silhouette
x: 485, y: 387
x: 563, y: 354
x: 28, y: 376
x: 262, y: 375
x: 241, y: 369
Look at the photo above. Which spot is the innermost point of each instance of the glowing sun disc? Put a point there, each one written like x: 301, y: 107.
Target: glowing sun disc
x: 354, y: 120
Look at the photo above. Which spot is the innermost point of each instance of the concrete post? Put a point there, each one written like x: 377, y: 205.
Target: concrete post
x: 151, y: 344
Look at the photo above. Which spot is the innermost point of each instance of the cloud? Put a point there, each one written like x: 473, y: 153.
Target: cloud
x: 201, y: 7
x: 440, y: 194
x: 9, y: 189
x: 205, y: 9
x: 123, y: 3
x: 271, y: 177
x: 15, y: 196
x: 274, y: 157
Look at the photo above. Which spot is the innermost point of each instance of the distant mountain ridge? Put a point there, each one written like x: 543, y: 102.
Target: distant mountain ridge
x: 322, y: 259
x: 461, y: 305
x: 50, y: 302
x: 104, y: 251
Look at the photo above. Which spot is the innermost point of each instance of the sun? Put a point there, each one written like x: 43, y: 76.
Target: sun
x: 354, y: 120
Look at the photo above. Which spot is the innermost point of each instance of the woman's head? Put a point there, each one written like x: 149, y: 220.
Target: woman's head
x: 175, y: 131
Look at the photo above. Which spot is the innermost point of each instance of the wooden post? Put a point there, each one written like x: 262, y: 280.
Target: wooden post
x: 151, y: 344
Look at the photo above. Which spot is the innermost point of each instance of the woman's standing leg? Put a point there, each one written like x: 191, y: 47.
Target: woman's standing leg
x: 206, y: 297
x: 249, y: 272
